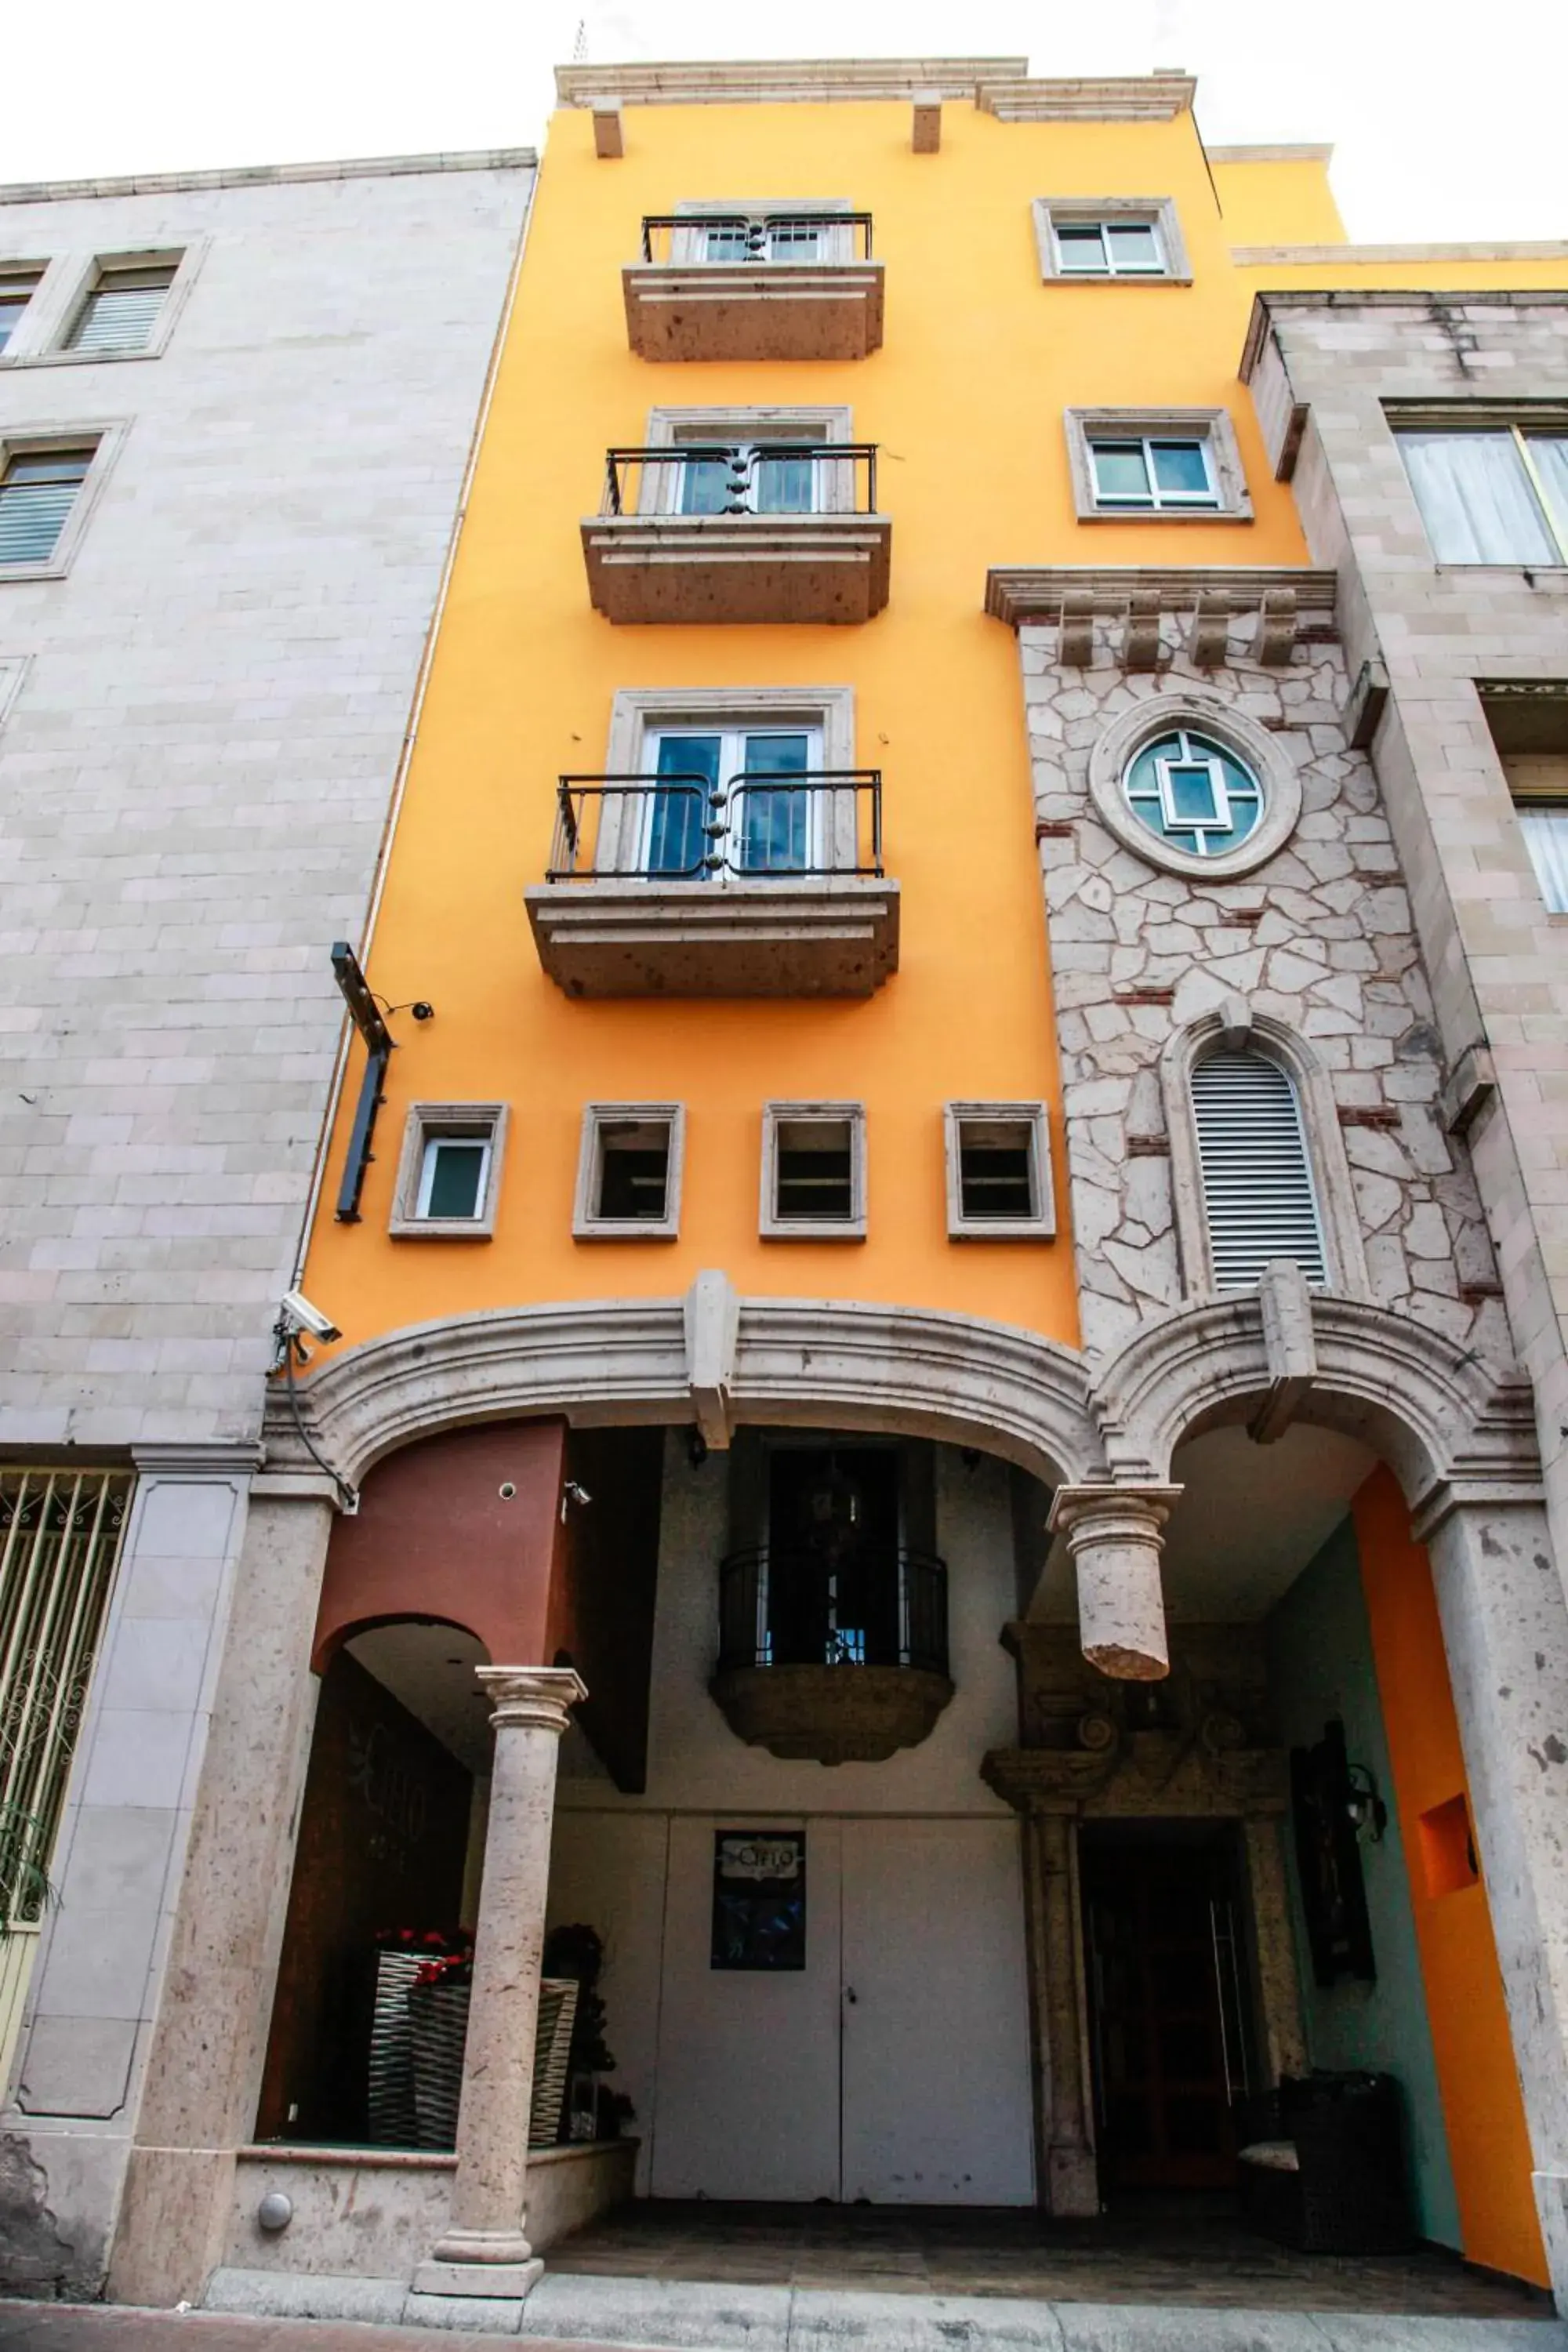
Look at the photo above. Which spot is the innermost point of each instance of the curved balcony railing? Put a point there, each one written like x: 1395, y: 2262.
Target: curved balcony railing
x: 758, y: 825
x: 791, y: 1609
x: 722, y: 480
x: 725, y: 238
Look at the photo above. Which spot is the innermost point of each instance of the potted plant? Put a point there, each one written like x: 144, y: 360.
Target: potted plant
x: 401, y: 1954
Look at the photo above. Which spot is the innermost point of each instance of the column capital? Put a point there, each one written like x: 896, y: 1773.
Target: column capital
x: 1107, y: 1504
x: 1114, y: 1534
x: 538, y: 1699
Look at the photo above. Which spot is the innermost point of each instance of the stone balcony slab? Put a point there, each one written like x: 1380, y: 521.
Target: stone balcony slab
x: 743, y: 568
x: 825, y: 935
x: 754, y: 310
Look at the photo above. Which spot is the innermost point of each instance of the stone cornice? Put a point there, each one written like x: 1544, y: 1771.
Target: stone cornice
x: 269, y: 175
x: 1019, y: 592
x: 1276, y: 299
x: 1308, y: 154
x: 999, y: 85
x: 1304, y: 256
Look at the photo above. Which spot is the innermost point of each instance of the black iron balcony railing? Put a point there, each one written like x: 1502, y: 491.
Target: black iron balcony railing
x: 794, y: 1609
x: 743, y: 477
x: 686, y: 826
x: 704, y: 239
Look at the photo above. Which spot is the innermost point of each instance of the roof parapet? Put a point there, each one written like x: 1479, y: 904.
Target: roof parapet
x: 1269, y: 300
x: 269, y: 175
x: 999, y: 85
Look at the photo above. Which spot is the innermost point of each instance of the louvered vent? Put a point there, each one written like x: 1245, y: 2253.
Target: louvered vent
x: 120, y: 312
x: 1257, y: 1179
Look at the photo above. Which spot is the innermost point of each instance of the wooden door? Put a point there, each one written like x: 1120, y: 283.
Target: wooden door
x: 1156, y: 1920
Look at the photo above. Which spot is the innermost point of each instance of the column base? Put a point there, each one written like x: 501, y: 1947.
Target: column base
x: 500, y: 2282
x: 1072, y: 2182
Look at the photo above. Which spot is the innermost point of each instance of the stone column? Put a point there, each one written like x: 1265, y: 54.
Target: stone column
x: 485, y: 2251
x: 1505, y: 1629
x: 1069, y: 2182
x: 1279, y: 1987
x: 1115, y: 1535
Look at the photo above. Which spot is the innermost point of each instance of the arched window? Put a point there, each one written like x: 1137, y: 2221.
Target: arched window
x: 1259, y: 1200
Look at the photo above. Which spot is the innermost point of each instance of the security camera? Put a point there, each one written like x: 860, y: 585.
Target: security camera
x: 298, y: 1314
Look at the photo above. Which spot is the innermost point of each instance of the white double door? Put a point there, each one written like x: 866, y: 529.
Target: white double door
x: 894, y: 2066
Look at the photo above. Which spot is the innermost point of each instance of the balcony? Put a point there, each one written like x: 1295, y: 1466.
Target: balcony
x: 770, y: 286
x: 841, y: 1664
x: 742, y: 531
x: 680, y: 883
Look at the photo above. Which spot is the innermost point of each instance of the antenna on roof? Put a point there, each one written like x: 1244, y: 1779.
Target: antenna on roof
x: 580, y: 45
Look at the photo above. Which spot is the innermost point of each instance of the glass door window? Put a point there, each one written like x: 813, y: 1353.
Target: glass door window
x: 717, y: 806
x: 749, y: 478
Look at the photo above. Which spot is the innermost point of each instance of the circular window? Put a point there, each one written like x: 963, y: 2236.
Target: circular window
x: 1192, y: 792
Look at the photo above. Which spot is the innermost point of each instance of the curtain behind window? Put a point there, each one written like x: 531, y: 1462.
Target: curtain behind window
x: 1475, y: 499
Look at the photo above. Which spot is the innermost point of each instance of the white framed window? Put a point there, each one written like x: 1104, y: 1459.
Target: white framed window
x: 1259, y: 1200
x: 1194, y: 791
x: 1498, y: 494
x: 725, y: 800
x: 1150, y: 473
x: 1539, y: 784
x: 629, y: 1170
x: 1170, y: 464
x: 119, y: 314
x: 748, y: 233
x: 19, y: 282
x: 998, y: 1172
x: 742, y: 462
x: 1192, y: 785
x: 40, y: 486
x: 1110, y: 238
x: 814, y: 1172
x: 448, y: 1174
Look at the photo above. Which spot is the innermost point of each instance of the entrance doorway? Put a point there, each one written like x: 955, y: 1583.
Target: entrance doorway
x: 1169, y: 2014
x: 888, y: 2063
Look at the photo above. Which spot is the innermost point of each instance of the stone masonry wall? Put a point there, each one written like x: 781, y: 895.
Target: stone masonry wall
x: 196, y: 763
x: 1319, y: 937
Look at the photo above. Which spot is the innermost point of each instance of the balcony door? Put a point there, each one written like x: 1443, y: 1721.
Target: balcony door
x: 833, y: 1593
x: 759, y: 477
x: 716, y: 806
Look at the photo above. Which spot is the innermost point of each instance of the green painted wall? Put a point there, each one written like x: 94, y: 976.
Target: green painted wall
x: 1320, y: 1664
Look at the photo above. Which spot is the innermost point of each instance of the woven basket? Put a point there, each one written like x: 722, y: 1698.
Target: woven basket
x: 392, y: 2121
x: 439, y: 2029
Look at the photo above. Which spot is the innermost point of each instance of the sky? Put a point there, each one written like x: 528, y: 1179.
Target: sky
x: 1446, y: 123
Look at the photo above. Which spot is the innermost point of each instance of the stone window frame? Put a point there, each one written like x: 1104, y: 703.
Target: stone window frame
x: 587, y: 1225
x: 771, y: 1225
x: 428, y: 1119
x: 1042, y: 1225
x: 1459, y: 416
x: 108, y: 438
x: 1208, y: 714
x: 635, y: 708
x: 69, y: 278
x: 1213, y: 425
x: 1235, y: 1027
x: 1158, y: 213
x: 737, y: 421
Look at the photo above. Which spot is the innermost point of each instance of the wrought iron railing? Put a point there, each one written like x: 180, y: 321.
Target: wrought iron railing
x: 743, y: 477
x: 688, y: 827
x: 706, y: 239
x: 794, y: 1608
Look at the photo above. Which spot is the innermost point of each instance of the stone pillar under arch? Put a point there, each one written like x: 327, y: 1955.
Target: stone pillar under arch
x: 1068, y: 2180
x: 1115, y: 1535
x: 485, y: 2251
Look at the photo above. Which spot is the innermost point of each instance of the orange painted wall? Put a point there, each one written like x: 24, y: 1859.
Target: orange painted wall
x: 966, y: 399
x: 1489, y: 2146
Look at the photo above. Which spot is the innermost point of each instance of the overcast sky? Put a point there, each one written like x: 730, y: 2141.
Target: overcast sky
x: 1447, y: 122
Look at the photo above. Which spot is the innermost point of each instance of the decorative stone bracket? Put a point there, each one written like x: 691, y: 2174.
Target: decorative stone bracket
x: 1072, y: 598
x: 1114, y: 1535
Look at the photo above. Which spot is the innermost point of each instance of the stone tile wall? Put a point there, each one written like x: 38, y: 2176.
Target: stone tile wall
x: 1319, y: 937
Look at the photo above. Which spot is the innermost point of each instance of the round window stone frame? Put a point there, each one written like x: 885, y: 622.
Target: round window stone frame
x: 1161, y: 714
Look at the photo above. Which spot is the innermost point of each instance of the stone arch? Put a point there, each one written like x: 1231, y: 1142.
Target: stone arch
x: 710, y: 1357
x: 1444, y: 1418
x: 1233, y: 1026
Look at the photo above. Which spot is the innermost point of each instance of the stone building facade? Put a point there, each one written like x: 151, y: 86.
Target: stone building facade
x: 204, y: 688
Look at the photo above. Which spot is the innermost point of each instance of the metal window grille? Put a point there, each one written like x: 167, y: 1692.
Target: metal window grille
x: 37, y: 491
x: 1259, y: 1197
x: 60, y: 1533
x: 119, y: 313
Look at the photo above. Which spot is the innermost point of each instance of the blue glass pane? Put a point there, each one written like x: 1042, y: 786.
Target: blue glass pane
x: 704, y: 486
x: 1193, y: 793
x: 782, y: 486
x: 1082, y: 250
x: 728, y: 244
x: 774, y: 826
x: 678, y: 842
x: 1134, y: 246
x: 1179, y: 465
x: 1119, y: 471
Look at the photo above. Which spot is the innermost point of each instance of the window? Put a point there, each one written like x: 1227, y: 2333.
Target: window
x: 448, y: 1176
x: 1539, y: 783
x: 628, y: 1173
x: 748, y: 477
x: 1170, y: 463
x: 804, y: 233
x: 1192, y: 792
x: 716, y: 804
x: 1108, y: 238
x: 1109, y: 249
x: 1149, y: 475
x: 814, y: 1172
x: 998, y: 1172
x: 1495, y: 497
x: 122, y: 309
x: 38, y: 488
x: 18, y: 286
x: 1259, y: 1201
